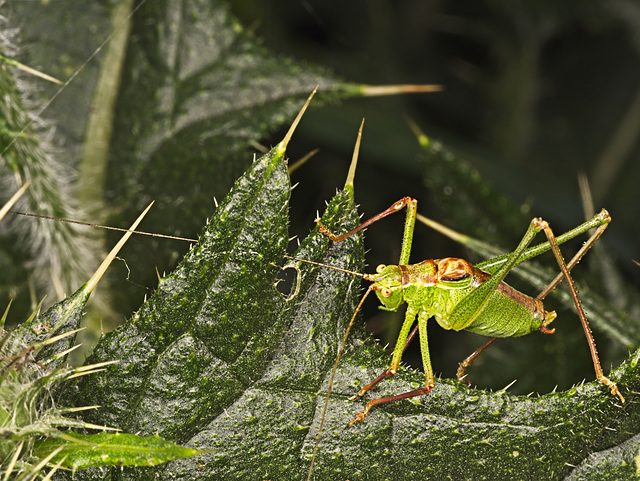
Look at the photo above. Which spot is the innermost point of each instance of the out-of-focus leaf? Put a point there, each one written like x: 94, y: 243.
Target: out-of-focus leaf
x: 103, y: 449
x: 467, y: 198
x: 55, y: 252
x: 198, y: 93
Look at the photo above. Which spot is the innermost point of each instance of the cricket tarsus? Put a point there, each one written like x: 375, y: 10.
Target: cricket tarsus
x: 374, y: 402
x: 460, y: 296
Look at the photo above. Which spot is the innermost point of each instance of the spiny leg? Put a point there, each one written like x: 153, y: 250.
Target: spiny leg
x: 403, y: 341
x: 411, y: 205
x: 511, y: 260
x: 576, y: 258
x: 581, y: 314
x: 463, y: 365
x: 398, y: 397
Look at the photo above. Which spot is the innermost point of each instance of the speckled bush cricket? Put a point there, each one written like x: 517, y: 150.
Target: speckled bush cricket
x: 461, y: 296
x: 474, y: 298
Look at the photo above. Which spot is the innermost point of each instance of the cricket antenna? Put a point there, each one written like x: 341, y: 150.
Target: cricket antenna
x: 367, y: 277
x: 100, y: 226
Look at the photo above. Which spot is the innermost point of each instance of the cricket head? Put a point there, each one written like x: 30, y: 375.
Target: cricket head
x: 387, y: 282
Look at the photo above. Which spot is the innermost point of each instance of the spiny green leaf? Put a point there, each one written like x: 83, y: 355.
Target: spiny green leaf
x: 217, y: 359
x: 36, y: 333
x: 195, y: 109
x: 246, y: 238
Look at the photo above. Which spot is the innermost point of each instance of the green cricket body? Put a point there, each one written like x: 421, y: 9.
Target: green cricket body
x: 435, y: 287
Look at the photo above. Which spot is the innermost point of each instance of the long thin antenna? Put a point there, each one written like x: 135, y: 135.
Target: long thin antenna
x: 99, y: 226
x: 367, y: 277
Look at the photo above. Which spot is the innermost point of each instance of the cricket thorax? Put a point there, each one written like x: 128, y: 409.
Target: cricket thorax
x: 447, y: 273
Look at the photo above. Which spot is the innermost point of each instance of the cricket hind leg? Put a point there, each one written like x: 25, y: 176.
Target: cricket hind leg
x: 463, y: 365
x: 581, y: 314
x: 461, y: 374
x: 564, y: 274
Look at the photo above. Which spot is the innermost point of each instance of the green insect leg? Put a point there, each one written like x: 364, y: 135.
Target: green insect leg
x: 401, y: 343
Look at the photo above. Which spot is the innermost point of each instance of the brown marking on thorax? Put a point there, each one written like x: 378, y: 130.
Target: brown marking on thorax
x: 423, y: 273
x: 453, y: 269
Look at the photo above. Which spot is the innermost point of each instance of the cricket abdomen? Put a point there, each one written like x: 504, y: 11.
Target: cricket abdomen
x: 509, y: 313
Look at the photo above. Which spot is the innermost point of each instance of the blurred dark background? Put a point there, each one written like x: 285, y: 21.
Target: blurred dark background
x: 534, y: 93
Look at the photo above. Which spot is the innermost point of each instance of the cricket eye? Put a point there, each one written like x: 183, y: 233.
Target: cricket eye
x: 380, y: 268
x: 385, y: 291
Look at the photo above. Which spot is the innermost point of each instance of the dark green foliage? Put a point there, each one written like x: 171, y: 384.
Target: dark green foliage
x: 217, y: 359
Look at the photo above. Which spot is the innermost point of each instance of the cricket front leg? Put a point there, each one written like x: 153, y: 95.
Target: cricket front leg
x: 412, y: 208
x: 423, y: 316
x: 386, y: 373
x: 401, y: 344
